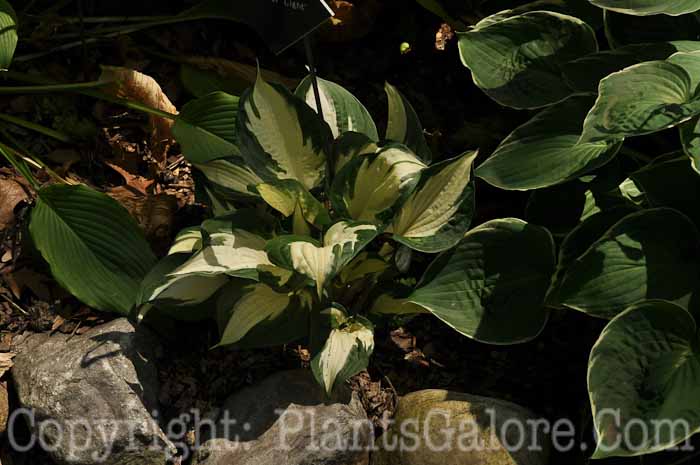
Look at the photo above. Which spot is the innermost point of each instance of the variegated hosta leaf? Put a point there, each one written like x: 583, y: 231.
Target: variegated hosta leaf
x: 322, y: 262
x: 641, y: 99
x: 518, y: 61
x: 238, y: 253
x: 284, y: 138
x: 369, y: 187
x: 346, y: 352
x: 187, y: 241
x: 362, y: 265
x: 160, y: 287
x: 229, y: 176
x: 349, y: 146
x: 255, y: 315
x: 438, y: 212
x: 404, y: 126
x: 644, y: 380
x: 341, y: 110
x: 288, y: 195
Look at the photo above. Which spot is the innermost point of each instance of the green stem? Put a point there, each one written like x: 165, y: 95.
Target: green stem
x: 19, y: 165
x: 34, y: 161
x: 90, y: 92
x: 51, y: 88
x: 36, y: 127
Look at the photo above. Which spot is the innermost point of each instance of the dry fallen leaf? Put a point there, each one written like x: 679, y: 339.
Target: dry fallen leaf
x: 11, y: 193
x: 6, y: 362
x: 4, y: 408
x: 239, y: 71
x: 133, y: 181
x: 442, y: 36
x: 353, y: 19
x: 133, y: 85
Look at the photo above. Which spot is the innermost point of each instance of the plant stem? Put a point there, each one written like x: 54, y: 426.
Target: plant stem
x: 19, y: 165
x: 36, y: 127
x: 90, y: 92
x: 51, y: 88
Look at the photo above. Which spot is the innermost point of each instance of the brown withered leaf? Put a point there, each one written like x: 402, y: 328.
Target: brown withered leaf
x: 443, y: 36
x: 133, y: 85
x: 6, y: 362
x: 11, y: 194
x: 133, y: 181
x: 229, y: 69
x: 353, y: 19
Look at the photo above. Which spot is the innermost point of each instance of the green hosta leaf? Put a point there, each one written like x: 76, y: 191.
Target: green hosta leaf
x: 255, y: 315
x: 653, y: 254
x: 8, y: 34
x: 341, y: 110
x: 369, y: 187
x: 321, y: 262
x: 672, y: 184
x: 545, y: 151
x: 649, y: 7
x: 644, y: 380
x: 237, y: 254
x: 287, y: 195
x: 404, y: 126
x: 579, y: 8
x: 206, y: 128
x: 387, y: 304
x: 518, y: 61
x: 690, y: 139
x: 351, y: 145
x: 641, y: 99
x: 230, y: 177
x: 162, y: 289
x: 690, y: 62
x: 585, y: 73
x: 580, y: 239
x: 346, y: 353
x: 439, y: 210
x: 491, y: 286
x: 94, y: 247
x: 283, y: 136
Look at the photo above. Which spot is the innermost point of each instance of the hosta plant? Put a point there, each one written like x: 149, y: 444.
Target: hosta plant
x: 630, y: 252
x: 319, y: 226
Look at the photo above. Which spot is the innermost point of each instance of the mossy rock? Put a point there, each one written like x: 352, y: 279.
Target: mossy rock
x: 438, y: 427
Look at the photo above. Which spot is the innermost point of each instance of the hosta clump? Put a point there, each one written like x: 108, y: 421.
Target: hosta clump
x: 324, y: 222
x: 634, y: 255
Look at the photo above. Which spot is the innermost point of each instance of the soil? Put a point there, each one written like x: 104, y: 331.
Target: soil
x: 547, y: 375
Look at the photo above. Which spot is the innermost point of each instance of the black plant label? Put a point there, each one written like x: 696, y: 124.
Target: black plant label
x: 282, y: 23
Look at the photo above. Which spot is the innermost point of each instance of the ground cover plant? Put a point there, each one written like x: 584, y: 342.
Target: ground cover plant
x: 320, y: 227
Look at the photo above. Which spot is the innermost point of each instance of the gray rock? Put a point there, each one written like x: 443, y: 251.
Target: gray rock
x: 287, y: 420
x: 437, y: 427
x: 92, y: 395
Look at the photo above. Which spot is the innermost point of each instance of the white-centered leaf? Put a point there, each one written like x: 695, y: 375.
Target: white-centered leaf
x: 283, y: 136
x: 341, y: 110
x: 345, y: 353
x: 289, y: 195
x: 404, y: 126
x: 238, y: 253
x: 321, y: 262
x: 187, y: 241
x: 349, y: 146
x: 439, y: 210
x: 644, y: 380
x: 649, y: 7
x: 546, y: 150
x: 518, y: 61
x: 206, y: 128
x: 230, y: 177
x: 369, y: 187
x: 94, y: 247
x: 491, y: 286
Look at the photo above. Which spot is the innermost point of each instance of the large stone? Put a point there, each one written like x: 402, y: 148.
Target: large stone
x: 437, y: 427
x: 92, y: 395
x: 287, y: 420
